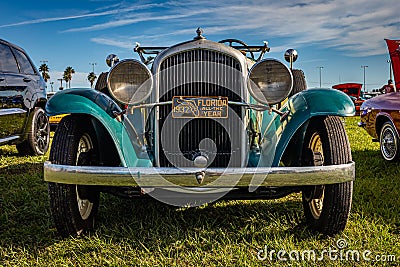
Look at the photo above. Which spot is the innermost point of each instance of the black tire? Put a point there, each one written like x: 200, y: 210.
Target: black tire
x: 299, y: 82
x: 37, y: 142
x: 74, y: 207
x: 389, y: 142
x: 327, y: 207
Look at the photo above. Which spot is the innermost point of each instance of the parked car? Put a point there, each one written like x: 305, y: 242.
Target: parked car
x: 353, y: 90
x: 380, y: 118
x: 22, y: 100
x: 200, y: 121
x: 380, y: 115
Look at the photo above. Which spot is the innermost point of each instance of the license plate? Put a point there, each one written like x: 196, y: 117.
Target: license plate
x: 199, y: 107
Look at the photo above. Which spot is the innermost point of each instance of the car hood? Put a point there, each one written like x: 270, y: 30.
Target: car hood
x: 389, y: 101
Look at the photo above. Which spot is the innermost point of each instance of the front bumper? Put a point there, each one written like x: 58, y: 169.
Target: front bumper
x: 213, y: 177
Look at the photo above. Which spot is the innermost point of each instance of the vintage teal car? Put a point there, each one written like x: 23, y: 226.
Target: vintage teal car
x: 200, y: 121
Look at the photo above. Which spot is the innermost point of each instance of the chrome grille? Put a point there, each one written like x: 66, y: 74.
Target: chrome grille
x: 208, y: 76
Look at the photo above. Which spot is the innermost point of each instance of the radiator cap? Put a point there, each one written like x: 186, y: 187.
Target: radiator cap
x: 199, y: 36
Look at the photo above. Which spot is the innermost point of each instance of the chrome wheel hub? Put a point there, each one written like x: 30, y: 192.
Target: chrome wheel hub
x: 84, y: 205
x: 388, y: 144
x: 316, y: 204
x: 42, y: 131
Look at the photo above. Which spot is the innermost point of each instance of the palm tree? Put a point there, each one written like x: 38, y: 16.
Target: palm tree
x: 44, y: 69
x: 68, y: 75
x: 91, y: 78
x: 66, y: 79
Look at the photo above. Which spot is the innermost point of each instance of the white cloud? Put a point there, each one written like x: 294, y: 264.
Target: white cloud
x: 356, y: 27
x: 138, y: 18
x: 105, y: 41
x: 115, y: 11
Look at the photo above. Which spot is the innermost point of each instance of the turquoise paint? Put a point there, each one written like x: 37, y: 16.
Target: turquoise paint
x: 302, y: 107
x: 98, y: 105
x: 275, y: 134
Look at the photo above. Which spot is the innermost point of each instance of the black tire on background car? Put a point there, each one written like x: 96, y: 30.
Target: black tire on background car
x: 299, y: 82
x: 389, y: 142
x: 74, y: 207
x: 37, y: 142
x: 327, y: 207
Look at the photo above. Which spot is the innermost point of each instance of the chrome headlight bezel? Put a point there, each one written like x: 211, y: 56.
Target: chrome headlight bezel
x: 130, y: 82
x: 270, y: 81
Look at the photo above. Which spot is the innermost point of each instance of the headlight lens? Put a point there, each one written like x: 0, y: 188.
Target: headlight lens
x: 130, y: 82
x: 270, y: 81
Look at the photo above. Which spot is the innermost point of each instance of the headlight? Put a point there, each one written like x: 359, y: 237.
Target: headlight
x: 270, y: 81
x: 130, y: 82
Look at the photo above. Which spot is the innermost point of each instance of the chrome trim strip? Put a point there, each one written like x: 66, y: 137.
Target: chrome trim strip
x: 214, y: 177
x: 12, y: 111
x: 8, y: 139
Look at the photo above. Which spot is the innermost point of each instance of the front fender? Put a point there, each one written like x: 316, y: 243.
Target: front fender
x: 82, y: 100
x: 102, y: 108
x: 324, y: 102
x: 302, y: 107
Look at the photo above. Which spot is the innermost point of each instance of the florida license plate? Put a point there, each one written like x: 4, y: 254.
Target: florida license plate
x: 199, y: 107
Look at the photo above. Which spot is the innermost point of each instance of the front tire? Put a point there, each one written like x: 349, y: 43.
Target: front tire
x: 389, y: 142
x: 38, y: 139
x: 74, y: 207
x: 327, y: 207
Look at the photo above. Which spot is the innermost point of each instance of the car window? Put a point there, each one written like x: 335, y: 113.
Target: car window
x: 7, y: 60
x: 24, y: 63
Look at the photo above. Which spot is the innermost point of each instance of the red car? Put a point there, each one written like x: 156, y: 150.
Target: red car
x: 353, y: 90
x: 380, y: 116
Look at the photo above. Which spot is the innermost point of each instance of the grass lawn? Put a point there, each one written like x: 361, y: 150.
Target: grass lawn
x: 225, y: 233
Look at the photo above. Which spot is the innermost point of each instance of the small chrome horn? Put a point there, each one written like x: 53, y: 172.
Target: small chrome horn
x: 291, y: 56
x: 111, y: 60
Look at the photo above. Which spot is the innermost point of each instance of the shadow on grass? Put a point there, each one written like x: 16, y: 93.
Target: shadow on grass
x: 25, y: 220
x: 155, y: 224
x: 21, y: 169
x: 376, y: 188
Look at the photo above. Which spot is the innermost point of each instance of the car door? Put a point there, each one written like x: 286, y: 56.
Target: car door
x: 28, y: 78
x: 13, y: 112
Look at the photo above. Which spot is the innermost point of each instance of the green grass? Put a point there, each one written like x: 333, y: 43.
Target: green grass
x: 225, y: 233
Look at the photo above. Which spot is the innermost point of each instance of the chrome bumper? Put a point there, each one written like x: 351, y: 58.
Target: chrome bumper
x: 213, y: 177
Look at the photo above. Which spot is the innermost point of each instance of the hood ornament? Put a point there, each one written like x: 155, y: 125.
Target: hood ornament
x: 199, y: 36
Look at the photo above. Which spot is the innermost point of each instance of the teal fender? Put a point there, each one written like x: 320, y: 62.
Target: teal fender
x: 301, y: 107
x: 102, y: 108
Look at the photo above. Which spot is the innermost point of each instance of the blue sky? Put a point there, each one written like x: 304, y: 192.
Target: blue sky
x: 340, y: 35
